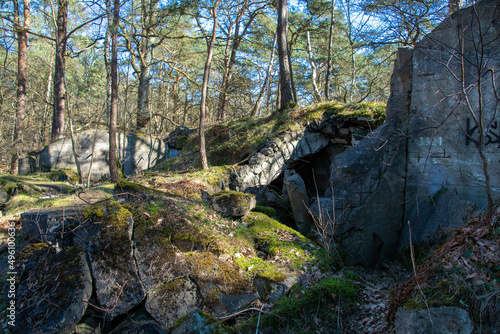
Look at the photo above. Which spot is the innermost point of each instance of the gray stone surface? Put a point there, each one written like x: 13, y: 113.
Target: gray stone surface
x: 177, y: 138
x: 26, y: 166
x: 173, y: 300
x: 270, y: 291
x: 299, y: 200
x: 443, y: 159
x: 422, y: 167
x: 48, y: 225
x: 197, y: 322
x: 441, y: 320
x: 368, y: 181
x: 278, y: 153
x: 135, y: 153
x: 116, y: 279
x: 4, y: 198
x: 177, y: 283
x: 232, y: 203
x: 53, y: 291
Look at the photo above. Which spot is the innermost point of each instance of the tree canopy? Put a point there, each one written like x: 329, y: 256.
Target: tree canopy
x: 333, y: 50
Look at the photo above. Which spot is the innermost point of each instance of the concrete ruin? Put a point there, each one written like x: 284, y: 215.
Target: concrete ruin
x: 423, y: 168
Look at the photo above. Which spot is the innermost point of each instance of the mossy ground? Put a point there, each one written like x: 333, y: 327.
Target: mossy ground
x: 283, y: 244
x: 188, y: 184
x: 323, y: 305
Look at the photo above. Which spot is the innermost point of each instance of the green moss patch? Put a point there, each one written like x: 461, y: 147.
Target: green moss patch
x: 307, y: 307
x: 216, y: 275
x: 113, y: 240
x: 257, y: 267
x: 189, y: 184
x: 282, y: 242
x: 168, y: 219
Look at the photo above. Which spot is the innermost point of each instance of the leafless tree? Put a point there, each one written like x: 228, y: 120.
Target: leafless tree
x: 204, y: 88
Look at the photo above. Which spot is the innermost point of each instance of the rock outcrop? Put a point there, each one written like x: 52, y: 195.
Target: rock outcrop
x: 279, y: 153
x: 53, y: 290
x: 167, y: 258
x: 426, y: 168
x: 135, y: 153
x: 440, y: 320
x: 116, y: 278
x: 446, y: 174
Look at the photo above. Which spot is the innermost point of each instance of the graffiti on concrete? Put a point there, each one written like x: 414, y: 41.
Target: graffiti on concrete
x: 491, y: 136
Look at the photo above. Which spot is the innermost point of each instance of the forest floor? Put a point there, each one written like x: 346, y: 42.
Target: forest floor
x: 464, y: 271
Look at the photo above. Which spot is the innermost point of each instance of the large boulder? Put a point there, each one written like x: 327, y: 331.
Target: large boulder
x: 4, y: 198
x: 364, y: 206
x: 178, y: 282
x: 49, y: 225
x: 232, y: 203
x: 422, y: 169
x: 135, y: 153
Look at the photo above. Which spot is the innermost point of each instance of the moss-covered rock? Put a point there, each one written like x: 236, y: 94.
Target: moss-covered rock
x: 222, y: 287
x: 281, y: 242
x: 117, y: 282
x: 198, y: 322
x: 232, y: 203
x: 173, y: 300
x: 305, y: 308
x: 52, y: 292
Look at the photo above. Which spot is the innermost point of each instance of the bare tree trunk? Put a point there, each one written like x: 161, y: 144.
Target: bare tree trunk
x: 204, y: 89
x: 113, y: 168
x: 107, y: 59
x: 292, y: 82
x: 330, y: 46
x: 256, y: 108
x: 143, y: 93
x: 317, y: 95
x: 175, y: 94
x: 228, y: 73
x: 454, y: 5
x: 46, y: 105
x: 22, y: 38
x: 285, y: 75
x: 59, y: 73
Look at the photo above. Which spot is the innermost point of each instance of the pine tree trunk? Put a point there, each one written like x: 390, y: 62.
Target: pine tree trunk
x: 59, y: 73
x: 143, y: 92
x: 22, y: 38
x: 204, y: 89
x: 285, y: 76
x: 330, y: 46
x: 317, y: 95
x: 113, y: 168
